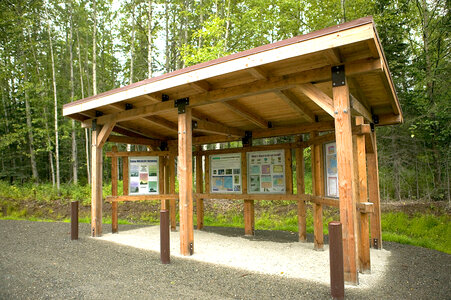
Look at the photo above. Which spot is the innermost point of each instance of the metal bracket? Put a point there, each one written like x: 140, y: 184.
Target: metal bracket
x: 316, y: 118
x: 338, y: 76
x: 269, y: 124
x: 181, y: 104
x: 372, y: 127
x: 191, y: 249
x: 94, y: 125
x: 128, y: 106
x: 376, y: 119
x: 194, y: 124
x: 164, y: 97
x: 247, y: 139
x: 99, y: 113
x: 375, y: 243
x: 163, y: 146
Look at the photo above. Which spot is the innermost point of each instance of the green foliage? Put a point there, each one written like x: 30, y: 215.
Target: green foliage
x: 427, y: 231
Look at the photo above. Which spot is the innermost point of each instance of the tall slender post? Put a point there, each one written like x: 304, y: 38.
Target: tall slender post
x: 249, y: 207
x: 74, y: 220
x: 346, y: 186
x: 374, y: 196
x: 300, y: 184
x: 172, y: 206
x: 185, y: 172
x: 96, y: 183
x: 125, y: 175
x: 161, y: 181
x: 114, y: 175
x: 318, y: 184
x: 199, y: 190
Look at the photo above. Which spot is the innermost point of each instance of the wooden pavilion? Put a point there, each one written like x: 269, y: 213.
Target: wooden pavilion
x: 333, y: 84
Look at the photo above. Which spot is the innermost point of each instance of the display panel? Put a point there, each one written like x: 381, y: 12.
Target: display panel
x: 330, y: 155
x: 225, y: 173
x: 143, y: 175
x: 266, y: 172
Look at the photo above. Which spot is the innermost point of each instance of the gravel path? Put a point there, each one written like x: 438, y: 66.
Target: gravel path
x: 38, y: 260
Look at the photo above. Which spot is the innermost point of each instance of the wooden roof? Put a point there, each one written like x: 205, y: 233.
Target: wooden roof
x: 269, y: 90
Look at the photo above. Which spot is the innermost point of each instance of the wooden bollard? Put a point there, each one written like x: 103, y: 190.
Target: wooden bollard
x: 164, y: 237
x: 337, y: 283
x: 74, y: 220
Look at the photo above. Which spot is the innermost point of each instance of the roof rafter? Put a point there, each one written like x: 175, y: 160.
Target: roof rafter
x: 319, y: 97
x: 258, y: 73
x: 291, y: 99
x: 239, y: 109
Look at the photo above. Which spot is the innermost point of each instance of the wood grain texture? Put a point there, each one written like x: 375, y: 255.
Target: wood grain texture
x: 345, y: 163
x: 114, y: 179
x: 199, y: 189
x: 300, y: 185
x: 374, y: 197
x: 96, y: 185
x: 317, y: 185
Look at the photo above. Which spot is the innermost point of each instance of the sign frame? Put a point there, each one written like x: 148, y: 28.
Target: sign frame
x: 226, y: 175
x: 266, y: 170
x: 144, y: 175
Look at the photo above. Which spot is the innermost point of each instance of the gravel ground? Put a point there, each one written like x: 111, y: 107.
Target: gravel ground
x: 38, y: 260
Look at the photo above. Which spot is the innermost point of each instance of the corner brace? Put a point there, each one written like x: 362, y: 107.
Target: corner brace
x: 181, y: 104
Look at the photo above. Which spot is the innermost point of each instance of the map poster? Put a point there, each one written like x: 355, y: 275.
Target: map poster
x: 266, y: 172
x: 143, y: 175
x: 225, y: 173
x: 330, y: 156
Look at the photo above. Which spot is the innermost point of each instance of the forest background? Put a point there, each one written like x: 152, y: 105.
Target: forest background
x: 53, y: 52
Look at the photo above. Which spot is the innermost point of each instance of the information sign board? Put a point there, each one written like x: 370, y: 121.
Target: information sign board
x: 266, y: 172
x: 330, y: 155
x: 143, y: 175
x: 225, y: 173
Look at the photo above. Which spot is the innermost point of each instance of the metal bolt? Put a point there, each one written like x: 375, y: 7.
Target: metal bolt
x: 345, y: 111
x: 342, y: 82
x: 336, y: 112
x: 184, y: 132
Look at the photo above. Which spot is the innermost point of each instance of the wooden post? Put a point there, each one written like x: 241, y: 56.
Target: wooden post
x: 288, y: 172
x: 361, y: 188
x: 185, y: 172
x: 343, y: 136
x: 374, y: 196
x: 161, y: 181
x: 172, y: 206
x: 302, y: 228
x: 199, y: 189
x: 124, y: 175
x: 114, y: 175
x: 166, y: 180
x: 318, y: 183
x: 96, y: 183
x: 249, y: 206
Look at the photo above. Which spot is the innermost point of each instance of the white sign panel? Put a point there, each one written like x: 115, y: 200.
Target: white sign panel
x: 143, y: 175
x: 330, y: 150
x: 266, y: 172
x: 225, y: 173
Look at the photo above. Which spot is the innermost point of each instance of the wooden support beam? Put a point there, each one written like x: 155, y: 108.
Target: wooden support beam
x: 318, y: 140
x: 132, y: 133
x: 136, y: 153
x: 96, y: 183
x: 199, y: 190
x: 172, y: 204
x: 343, y: 133
x: 318, y: 190
x: 318, y: 96
x: 249, y: 217
x: 200, y: 86
x: 154, y: 97
x: 244, y: 90
x: 125, y: 182
x: 332, y: 56
x: 389, y: 119
x: 288, y: 172
x: 374, y: 196
x: 207, y: 174
x: 357, y: 108
x: 167, y: 175
x: 360, y: 180
x: 242, y: 111
x: 141, y: 198
x: 291, y: 99
x: 159, y: 121
x: 104, y: 134
x: 258, y: 73
x: 210, y: 127
x: 185, y: 173
x: 197, y: 115
x: 300, y: 184
x: 161, y: 181
x: 114, y: 179
x: 134, y: 141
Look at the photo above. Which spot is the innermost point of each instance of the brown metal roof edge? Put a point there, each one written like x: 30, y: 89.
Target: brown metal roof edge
x: 293, y: 40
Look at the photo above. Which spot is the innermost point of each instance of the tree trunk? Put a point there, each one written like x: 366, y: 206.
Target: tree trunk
x: 94, y: 51
x: 55, y: 98
x: 49, y: 146
x: 149, y: 40
x: 132, y: 43
x: 72, y: 96
x: 34, y: 169
x: 166, y: 14
x: 226, y: 38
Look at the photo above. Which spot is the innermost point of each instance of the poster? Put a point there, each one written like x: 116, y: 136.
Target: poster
x: 225, y: 173
x: 330, y: 151
x: 143, y: 175
x: 266, y: 172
